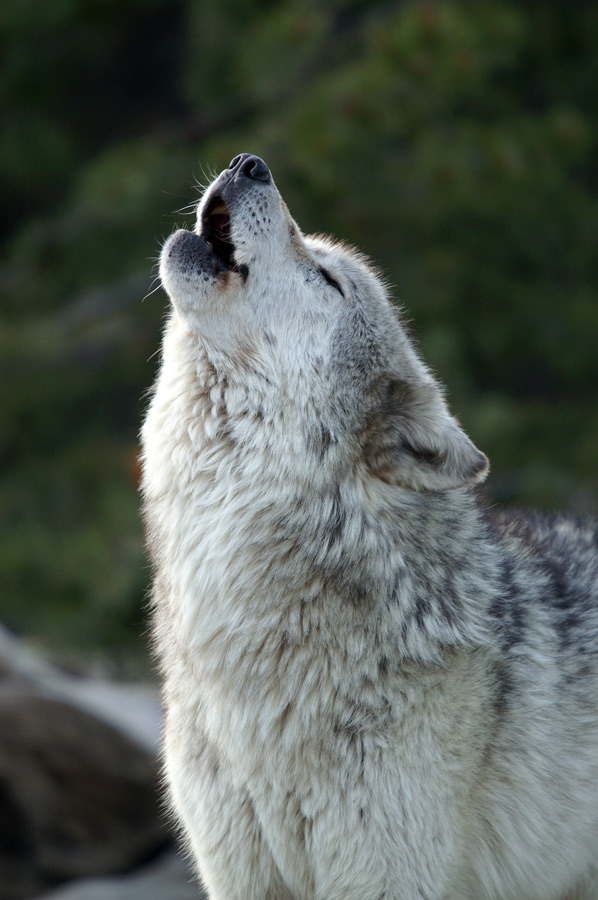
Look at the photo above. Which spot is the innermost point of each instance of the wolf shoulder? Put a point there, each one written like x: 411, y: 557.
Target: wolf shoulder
x: 548, y: 597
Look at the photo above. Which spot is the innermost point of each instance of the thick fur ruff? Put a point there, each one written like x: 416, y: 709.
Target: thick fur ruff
x: 374, y: 690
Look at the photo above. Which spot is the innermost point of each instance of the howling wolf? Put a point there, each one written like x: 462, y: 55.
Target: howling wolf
x: 374, y: 689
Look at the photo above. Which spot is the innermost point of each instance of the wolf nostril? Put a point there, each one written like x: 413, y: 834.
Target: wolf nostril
x: 256, y: 168
x: 251, y: 166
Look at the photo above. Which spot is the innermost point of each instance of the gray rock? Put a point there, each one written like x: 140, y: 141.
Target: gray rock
x: 132, y: 708
x: 77, y: 797
x: 167, y: 878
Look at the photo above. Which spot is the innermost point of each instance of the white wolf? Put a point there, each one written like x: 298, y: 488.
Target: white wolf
x: 374, y: 690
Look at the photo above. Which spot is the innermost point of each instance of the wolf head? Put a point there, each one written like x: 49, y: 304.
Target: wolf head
x: 303, y: 329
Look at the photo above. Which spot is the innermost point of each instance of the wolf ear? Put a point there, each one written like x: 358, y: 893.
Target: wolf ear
x: 413, y: 441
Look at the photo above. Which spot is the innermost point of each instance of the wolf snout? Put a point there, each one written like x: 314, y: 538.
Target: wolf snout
x: 249, y: 166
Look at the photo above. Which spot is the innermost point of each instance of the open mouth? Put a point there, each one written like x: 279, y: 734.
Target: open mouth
x: 216, y: 232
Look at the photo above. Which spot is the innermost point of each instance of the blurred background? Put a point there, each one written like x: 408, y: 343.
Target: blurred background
x: 454, y: 142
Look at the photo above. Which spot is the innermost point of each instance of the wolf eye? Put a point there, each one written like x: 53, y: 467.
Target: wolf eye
x: 331, y: 280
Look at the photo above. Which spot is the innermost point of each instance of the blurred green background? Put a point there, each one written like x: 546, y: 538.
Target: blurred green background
x: 454, y: 142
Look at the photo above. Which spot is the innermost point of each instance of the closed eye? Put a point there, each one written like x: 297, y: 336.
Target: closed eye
x: 331, y: 280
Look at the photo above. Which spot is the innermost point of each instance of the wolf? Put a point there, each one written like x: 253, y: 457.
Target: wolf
x: 375, y: 689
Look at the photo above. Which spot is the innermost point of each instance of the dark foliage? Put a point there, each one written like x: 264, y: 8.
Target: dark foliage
x: 455, y: 142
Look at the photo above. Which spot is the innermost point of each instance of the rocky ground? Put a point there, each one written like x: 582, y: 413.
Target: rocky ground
x: 80, y: 813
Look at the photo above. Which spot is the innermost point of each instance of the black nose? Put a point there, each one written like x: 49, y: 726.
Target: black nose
x: 250, y: 166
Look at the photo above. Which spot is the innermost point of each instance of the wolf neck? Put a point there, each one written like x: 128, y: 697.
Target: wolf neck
x: 249, y: 541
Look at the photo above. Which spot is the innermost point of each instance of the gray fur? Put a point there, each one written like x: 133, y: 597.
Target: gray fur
x: 374, y: 688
